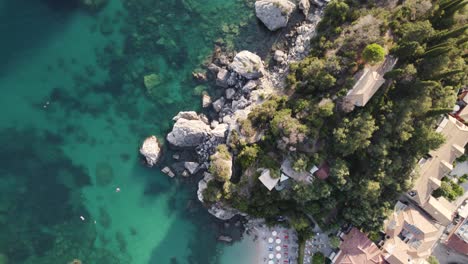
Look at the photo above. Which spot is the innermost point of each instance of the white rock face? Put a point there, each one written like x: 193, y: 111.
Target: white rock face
x: 151, y: 150
x: 304, y: 5
x: 274, y: 13
x: 248, y: 65
x: 220, y: 130
x: 188, y: 132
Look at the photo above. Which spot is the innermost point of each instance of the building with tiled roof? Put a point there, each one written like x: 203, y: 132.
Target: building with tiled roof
x: 458, y: 238
x: 356, y: 248
x: 368, y: 83
x: 435, y: 166
x: 410, y: 236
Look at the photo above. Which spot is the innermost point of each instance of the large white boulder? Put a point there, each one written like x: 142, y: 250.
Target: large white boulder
x: 274, y: 13
x: 248, y: 65
x: 191, y: 130
x: 151, y: 149
x: 188, y: 132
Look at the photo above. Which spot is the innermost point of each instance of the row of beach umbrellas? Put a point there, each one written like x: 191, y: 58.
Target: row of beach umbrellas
x: 272, y: 256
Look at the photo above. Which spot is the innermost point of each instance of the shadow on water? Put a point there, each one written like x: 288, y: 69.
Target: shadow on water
x: 38, y: 196
x: 202, y: 243
x: 26, y: 25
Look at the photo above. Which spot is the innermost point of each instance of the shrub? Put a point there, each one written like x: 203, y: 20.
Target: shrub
x: 373, y: 53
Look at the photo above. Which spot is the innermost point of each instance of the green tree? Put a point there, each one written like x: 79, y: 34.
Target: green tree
x: 432, y: 260
x: 336, y: 12
x: 373, y: 53
x: 248, y: 155
x: 354, y: 134
x: 221, y: 164
x: 417, y: 31
x: 339, y: 172
x: 318, y: 258
x: 335, y: 242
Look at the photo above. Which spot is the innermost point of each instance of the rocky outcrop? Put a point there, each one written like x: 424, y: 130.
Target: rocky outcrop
x: 151, y: 149
x: 274, y: 13
x: 188, y: 132
x: 192, y: 130
x: 203, y: 184
x: 248, y: 65
x: 304, y: 5
x: 192, y: 167
x: 223, y: 212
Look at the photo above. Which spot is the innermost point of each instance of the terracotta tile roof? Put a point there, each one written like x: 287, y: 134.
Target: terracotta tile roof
x: 458, y: 244
x: 356, y: 248
x: 323, y: 172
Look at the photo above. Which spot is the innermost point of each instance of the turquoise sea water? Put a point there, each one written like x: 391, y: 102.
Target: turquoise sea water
x: 74, y: 112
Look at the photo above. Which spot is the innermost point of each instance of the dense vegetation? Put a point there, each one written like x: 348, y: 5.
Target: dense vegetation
x: 371, y: 150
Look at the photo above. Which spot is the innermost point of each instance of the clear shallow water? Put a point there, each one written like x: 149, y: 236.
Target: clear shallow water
x: 74, y: 111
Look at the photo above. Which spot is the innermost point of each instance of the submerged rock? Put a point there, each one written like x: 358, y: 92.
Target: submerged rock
x: 151, y: 149
x: 274, y: 13
x: 226, y: 239
x: 247, y: 64
x: 104, y: 174
x: 168, y: 172
x: 93, y: 5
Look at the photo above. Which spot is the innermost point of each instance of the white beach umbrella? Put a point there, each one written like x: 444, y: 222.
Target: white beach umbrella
x: 271, y: 256
x: 270, y: 240
x: 274, y: 233
x: 278, y: 241
x: 271, y: 262
x: 278, y: 248
x: 278, y: 256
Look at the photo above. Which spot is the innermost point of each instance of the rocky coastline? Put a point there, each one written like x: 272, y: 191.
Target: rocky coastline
x: 244, y: 80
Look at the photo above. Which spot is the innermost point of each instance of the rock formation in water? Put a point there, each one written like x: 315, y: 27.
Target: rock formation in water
x: 93, y: 5
x: 189, y: 130
x: 274, y: 13
x: 151, y: 149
